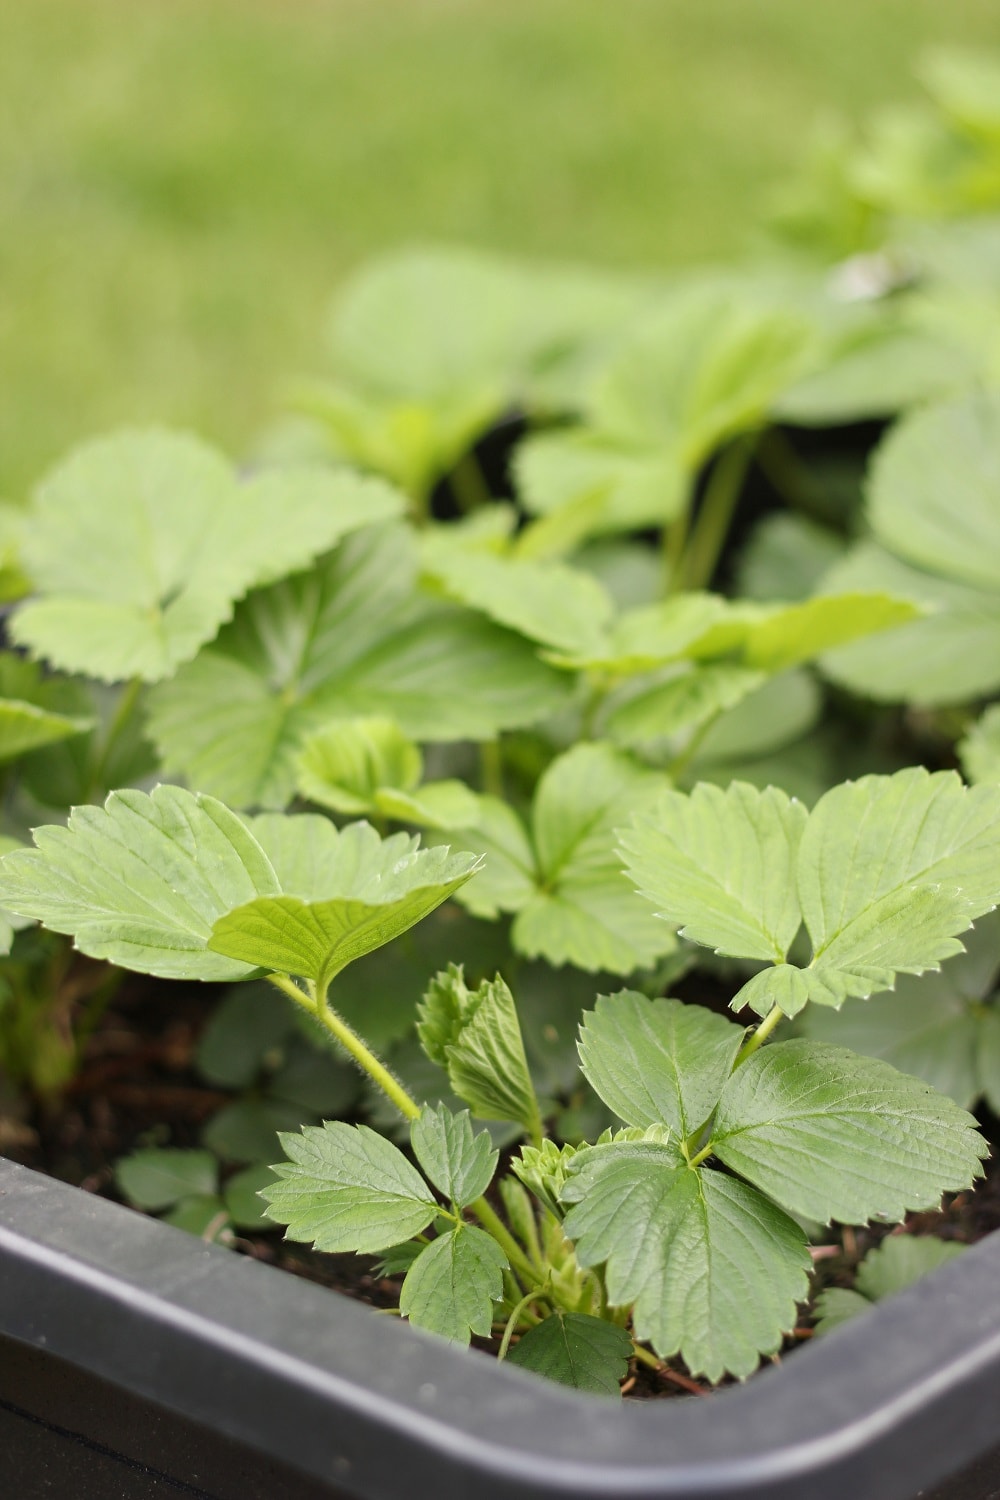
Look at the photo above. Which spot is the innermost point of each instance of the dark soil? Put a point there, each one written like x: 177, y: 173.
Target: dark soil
x: 138, y: 1086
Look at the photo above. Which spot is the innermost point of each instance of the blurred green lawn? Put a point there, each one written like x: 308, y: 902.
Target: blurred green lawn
x: 183, y: 182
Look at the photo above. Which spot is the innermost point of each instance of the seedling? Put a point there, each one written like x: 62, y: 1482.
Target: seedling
x: 630, y: 1243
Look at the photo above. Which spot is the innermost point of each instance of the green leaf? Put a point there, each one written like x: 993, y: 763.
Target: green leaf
x: 155, y: 1178
x: 32, y: 709
x: 551, y: 603
x: 204, y: 1215
x: 650, y: 709
x: 656, y: 1061
x: 837, y: 1305
x: 362, y: 892
x: 241, y: 1196
x: 797, y: 633
x: 899, y: 1261
x: 312, y: 1077
x: 582, y: 484
x: 979, y: 751
x: 454, y: 1283
x: 475, y: 1035
x: 949, y: 657
x: 891, y: 869
x: 369, y: 766
x: 565, y: 882
x: 142, y: 880
x: 934, y: 499
x: 831, y: 1135
x: 586, y: 1353
x: 722, y: 864
x: 785, y: 557
x: 248, y: 1129
x: 350, y: 638
x: 782, y: 710
x: 140, y: 543
x: 934, y: 1026
x: 246, y: 1028
x: 701, y: 369
x: 712, y: 1269
x: 459, y: 1162
x: 344, y: 1187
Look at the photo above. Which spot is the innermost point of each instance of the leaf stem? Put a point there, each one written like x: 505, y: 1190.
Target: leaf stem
x: 124, y: 709
x: 758, y: 1037
x: 711, y: 526
x: 674, y: 540
x: 491, y: 768
x: 318, y: 1006
x: 512, y: 1321
x: 644, y: 1357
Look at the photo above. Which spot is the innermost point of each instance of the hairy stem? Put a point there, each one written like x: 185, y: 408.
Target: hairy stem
x: 317, y: 1005
x: 759, y: 1036
x: 514, y: 1319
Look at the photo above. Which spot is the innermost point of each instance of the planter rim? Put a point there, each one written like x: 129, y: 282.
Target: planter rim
x: 319, y: 1382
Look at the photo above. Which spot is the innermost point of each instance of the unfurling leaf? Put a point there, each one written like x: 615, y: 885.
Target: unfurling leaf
x: 476, y: 1037
x: 459, y: 1162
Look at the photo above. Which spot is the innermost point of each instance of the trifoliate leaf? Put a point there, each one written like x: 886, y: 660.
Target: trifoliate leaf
x: 458, y: 1161
x: 551, y: 603
x: 368, y: 766
x: 713, y: 1270
x: 454, y: 1283
x: 589, y: 1354
x: 364, y: 892
x: 891, y: 869
x: 344, y: 1187
x: 722, y: 864
x: 348, y: 639
x: 142, y: 880
x: 140, y: 543
x: 154, y: 1178
x: 657, y: 1061
x: 979, y: 751
x: 475, y: 1036
x: 831, y: 1135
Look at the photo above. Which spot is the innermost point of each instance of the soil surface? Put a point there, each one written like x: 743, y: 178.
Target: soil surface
x: 139, y: 1086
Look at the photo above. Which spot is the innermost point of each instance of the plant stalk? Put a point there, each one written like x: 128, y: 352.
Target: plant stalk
x: 758, y: 1037
x: 711, y: 527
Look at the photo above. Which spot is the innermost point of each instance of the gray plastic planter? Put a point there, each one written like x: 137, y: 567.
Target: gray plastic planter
x: 137, y: 1362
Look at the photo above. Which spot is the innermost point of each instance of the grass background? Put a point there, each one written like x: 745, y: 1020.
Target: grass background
x: 184, y: 182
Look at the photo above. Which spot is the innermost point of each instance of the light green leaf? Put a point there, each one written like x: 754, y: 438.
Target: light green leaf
x: 702, y: 368
x: 979, y: 751
x: 785, y: 557
x: 900, y: 1260
x: 934, y: 497
x: 346, y: 764
x: 722, y: 864
x: 582, y: 484
x: 831, y: 1135
x: 344, y: 1187
x: 203, y: 1215
x: 651, y: 709
x: 507, y: 881
x: 551, y: 603
x: 475, y: 1036
x: 33, y: 708
x: 586, y: 1353
x: 837, y: 1305
x: 712, y: 1269
x: 364, y: 892
x: 797, y: 633
x: 350, y: 638
x: 891, y: 869
x: 142, y: 880
x: 654, y: 634
x: 782, y: 710
x: 949, y: 657
x: 454, y: 1283
x: 154, y: 1178
x: 657, y: 1061
x: 140, y: 543
x: 459, y: 1162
